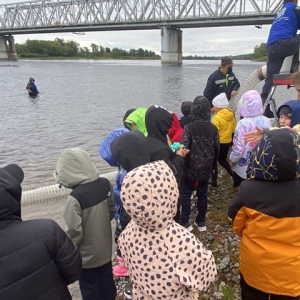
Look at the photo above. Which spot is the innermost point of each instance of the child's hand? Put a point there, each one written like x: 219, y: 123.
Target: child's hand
x: 182, y: 151
x: 254, y: 136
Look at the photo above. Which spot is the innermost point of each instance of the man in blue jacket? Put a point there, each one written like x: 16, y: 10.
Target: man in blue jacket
x: 222, y: 80
x: 282, y: 42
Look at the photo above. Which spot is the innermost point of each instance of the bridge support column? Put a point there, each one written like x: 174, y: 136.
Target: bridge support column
x: 7, y: 48
x: 171, y: 45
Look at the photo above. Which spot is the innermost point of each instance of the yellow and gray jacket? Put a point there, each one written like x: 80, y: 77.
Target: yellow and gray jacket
x: 90, y: 206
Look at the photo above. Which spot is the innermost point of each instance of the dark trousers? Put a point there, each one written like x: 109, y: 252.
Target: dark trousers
x: 277, y: 52
x: 250, y: 293
x: 97, y: 283
x: 224, y: 149
x: 185, y: 200
x: 237, y: 180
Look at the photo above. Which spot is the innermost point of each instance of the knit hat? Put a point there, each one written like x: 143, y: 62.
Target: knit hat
x: 285, y: 110
x: 220, y: 101
x: 200, y: 110
x: 276, y: 156
x: 226, y: 60
x: 186, y: 107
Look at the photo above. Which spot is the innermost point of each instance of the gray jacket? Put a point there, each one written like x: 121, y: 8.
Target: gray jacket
x: 90, y: 207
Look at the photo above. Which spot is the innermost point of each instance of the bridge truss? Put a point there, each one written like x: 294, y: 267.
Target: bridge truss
x: 95, y: 15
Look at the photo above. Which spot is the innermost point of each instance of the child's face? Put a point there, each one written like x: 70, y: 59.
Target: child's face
x: 284, y: 121
x: 215, y: 109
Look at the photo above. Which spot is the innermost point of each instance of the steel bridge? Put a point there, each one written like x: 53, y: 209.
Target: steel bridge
x: 56, y: 16
x: 96, y: 15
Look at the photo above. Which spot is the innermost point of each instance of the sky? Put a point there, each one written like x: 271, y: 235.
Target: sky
x: 215, y: 41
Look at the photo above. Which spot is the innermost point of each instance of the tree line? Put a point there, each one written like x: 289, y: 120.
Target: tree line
x: 61, y: 48
x: 259, y: 53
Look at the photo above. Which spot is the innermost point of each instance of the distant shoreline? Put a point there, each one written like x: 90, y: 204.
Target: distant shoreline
x: 263, y: 59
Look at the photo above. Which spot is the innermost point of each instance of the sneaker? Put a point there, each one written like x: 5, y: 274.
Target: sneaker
x: 200, y: 225
x: 120, y: 271
x: 188, y: 226
x: 128, y: 291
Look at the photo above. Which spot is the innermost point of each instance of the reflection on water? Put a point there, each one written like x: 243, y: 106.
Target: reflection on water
x: 80, y: 102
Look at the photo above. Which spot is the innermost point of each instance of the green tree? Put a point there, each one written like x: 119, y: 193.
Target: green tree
x: 260, y: 51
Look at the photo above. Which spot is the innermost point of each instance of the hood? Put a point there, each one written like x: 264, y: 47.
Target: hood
x: 74, y: 166
x: 131, y: 150
x: 158, y: 122
x: 10, y: 195
x: 295, y: 107
x: 250, y: 104
x: 128, y: 112
x: 175, y: 132
x: 200, y: 110
x: 104, y: 149
x: 137, y: 117
x: 186, y: 107
x: 149, y: 194
x: 276, y: 156
x: 31, y: 78
x: 226, y: 114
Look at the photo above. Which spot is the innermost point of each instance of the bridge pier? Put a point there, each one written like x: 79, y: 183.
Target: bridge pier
x: 7, y: 48
x: 171, y: 45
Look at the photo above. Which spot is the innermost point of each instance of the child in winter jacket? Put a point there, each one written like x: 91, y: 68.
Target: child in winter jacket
x: 251, y: 109
x: 202, y: 139
x: 175, y: 132
x: 88, y: 214
x: 266, y: 215
x: 165, y: 261
x: 224, y: 120
x: 288, y: 116
x: 186, y: 113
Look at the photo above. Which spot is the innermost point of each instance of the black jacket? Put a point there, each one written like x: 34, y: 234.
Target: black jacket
x: 130, y: 150
x: 37, y: 258
x: 218, y: 83
x: 158, y: 122
x: 202, y: 138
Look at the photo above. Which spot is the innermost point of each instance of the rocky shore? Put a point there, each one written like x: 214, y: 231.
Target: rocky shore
x: 218, y: 238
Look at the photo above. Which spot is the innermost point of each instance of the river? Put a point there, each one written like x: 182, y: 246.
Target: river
x: 80, y: 102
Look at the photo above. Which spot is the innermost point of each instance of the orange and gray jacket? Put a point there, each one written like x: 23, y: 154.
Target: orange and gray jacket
x: 90, y: 207
x: 266, y: 214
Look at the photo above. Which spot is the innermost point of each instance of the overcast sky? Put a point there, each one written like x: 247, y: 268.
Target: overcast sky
x: 216, y: 41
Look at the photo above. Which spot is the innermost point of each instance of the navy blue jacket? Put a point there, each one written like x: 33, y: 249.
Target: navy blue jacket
x: 218, y: 83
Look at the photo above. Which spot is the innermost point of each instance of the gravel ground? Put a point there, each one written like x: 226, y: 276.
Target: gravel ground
x: 218, y: 238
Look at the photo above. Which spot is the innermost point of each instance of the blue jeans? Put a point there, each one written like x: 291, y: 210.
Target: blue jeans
x: 277, y: 52
x: 185, y: 200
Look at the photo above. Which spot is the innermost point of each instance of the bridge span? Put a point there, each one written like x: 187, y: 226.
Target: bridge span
x: 170, y: 16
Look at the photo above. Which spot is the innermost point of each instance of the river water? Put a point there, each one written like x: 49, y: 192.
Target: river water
x: 80, y: 102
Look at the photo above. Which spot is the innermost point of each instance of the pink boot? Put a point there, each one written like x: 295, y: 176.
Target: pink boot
x: 120, y: 270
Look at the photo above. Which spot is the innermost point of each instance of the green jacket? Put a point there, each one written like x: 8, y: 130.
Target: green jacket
x: 90, y: 207
x: 137, y: 117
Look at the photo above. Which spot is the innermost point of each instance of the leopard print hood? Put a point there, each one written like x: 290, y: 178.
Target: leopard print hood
x: 149, y: 194
x: 164, y: 260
